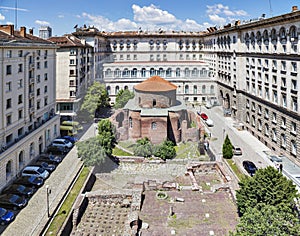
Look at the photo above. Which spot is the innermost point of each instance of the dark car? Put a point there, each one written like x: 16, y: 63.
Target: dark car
x: 6, y: 216
x: 47, y: 166
x: 20, y: 189
x: 30, y: 181
x: 12, y: 201
x: 72, y: 139
x: 250, y: 167
x: 57, y: 150
x: 51, y: 159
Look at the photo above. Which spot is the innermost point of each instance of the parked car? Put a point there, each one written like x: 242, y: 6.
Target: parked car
x: 59, y: 142
x: 6, y: 216
x: 57, y: 150
x: 47, y: 166
x: 203, y: 116
x: 30, y: 181
x: 72, y: 139
x: 35, y: 171
x: 250, y: 167
x: 20, y: 190
x: 49, y: 158
x: 237, y: 151
x: 12, y: 201
x: 209, y: 122
x: 275, y: 159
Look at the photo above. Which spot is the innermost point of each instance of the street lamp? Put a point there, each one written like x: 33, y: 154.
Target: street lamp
x: 48, y: 191
x: 223, y: 134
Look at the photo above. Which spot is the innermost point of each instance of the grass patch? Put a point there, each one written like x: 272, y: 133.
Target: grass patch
x: 235, y: 169
x: 119, y: 152
x: 65, y: 209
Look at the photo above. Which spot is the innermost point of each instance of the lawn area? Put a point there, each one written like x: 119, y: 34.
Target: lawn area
x: 120, y: 152
x: 235, y: 169
x: 65, y: 209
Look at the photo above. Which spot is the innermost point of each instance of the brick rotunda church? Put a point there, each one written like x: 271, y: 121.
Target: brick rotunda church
x: 154, y: 112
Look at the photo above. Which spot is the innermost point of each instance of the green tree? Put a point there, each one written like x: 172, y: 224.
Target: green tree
x: 267, y: 187
x: 95, y: 98
x: 227, y: 148
x: 106, y: 134
x: 165, y: 150
x: 122, y: 98
x: 143, y: 147
x: 91, y: 151
x: 269, y: 220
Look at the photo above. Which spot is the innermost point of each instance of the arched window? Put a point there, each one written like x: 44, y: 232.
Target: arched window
x: 169, y: 72
x: 186, y: 89
x: 130, y: 122
x: 203, y: 89
x: 134, y: 73
x: 125, y: 73
x: 154, y: 102
x: 212, y: 89
x: 143, y: 72
x: 195, y: 89
x: 126, y: 87
x: 8, y: 170
x: 160, y: 72
x: 108, y: 90
x: 293, y: 33
x: 187, y: 72
x: 177, y: 72
x: 117, y: 89
x: 152, y: 72
x: 108, y: 73
x: 283, y: 140
x: 153, y: 125
x: 21, y: 160
x: 273, y: 35
x: 117, y: 73
x: 194, y: 72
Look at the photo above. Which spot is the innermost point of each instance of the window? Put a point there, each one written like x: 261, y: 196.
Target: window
x: 274, y: 119
x: 283, y: 65
x: 195, y: 89
x: 45, y: 76
x: 20, y: 99
x: 8, y: 70
x: 130, y: 122
x: 8, y: 120
x: 283, y: 82
x: 294, y: 67
x: 294, y: 84
x: 9, y: 53
x: 8, y: 103
x: 143, y: 72
x: 266, y: 113
x: 153, y: 125
x: 259, y: 124
x: 20, y: 53
x: 72, y: 61
x: 275, y: 96
x: 203, y: 89
x: 20, y: 83
x: 38, y: 65
x: 45, y: 64
x: 274, y: 135
x: 108, y: 90
x: 38, y: 92
x: 186, y: 89
x: 266, y: 129
x: 168, y: 72
x: 294, y: 104
x: 177, y: 72
x: 283, y: 100
x: 294, y: 147
x: 20, y: 114
x: 45, y: 101
x: 283, y: 141
x: 38, y: 105
x: 20, y: 68
x: 8, y: 86
x: 259, y: 109
x: 293, y: 127
x: 283, y: 122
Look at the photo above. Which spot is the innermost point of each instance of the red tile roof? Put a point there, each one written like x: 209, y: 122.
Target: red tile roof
x: 155, y: 84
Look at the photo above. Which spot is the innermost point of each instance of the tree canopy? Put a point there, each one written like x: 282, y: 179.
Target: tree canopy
x: 91, y: 151
x: 227, y: 148
x: 165, y: 150
x: 143, y: 147
x: 106, y: 134
x: 267, y: 186
x: 123, y: 96
x: 95, y: 98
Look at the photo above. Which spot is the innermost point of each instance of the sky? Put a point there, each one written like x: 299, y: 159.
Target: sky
x: 123, y: 15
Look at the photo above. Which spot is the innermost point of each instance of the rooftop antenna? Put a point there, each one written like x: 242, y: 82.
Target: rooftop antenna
x: 271, y: 11
x: 16, y: 14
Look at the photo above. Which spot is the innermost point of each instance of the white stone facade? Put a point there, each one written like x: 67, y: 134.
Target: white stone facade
x: 27, y: 118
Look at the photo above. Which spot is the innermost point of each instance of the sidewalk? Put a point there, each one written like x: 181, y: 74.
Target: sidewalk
x: 31, y: 220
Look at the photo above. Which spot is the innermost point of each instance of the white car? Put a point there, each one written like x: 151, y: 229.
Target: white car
x: 59, y: 142
x: 36, y: 171
x: 209, y: 122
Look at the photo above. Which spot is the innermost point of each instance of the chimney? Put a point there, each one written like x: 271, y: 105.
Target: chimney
x: 294, y: 8
x: 31, y: 31
x: 23, y: 31
x: 9, y: 29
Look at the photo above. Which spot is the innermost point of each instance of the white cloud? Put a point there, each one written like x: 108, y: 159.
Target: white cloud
x: 217, y: 19
x: 2, y: 17
x: 40, y: 22
x: 148, y: 18
x: 61, y: 16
